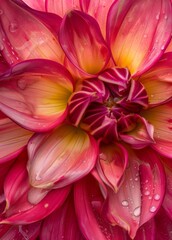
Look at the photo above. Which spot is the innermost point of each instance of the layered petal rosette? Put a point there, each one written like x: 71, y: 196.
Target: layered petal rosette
x: 85, y: 119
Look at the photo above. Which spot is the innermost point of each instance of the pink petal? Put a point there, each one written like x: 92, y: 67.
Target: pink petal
x: 37, y: 99
x: 140, y: 195
x: 138, y: 32
x: 135, y: 131
x: 113, y: 160
x: 147, y: 231
x: 97, y: 9
x: 85, y: 47
x: 20, y: 232
x: 161, y: 118
x: 34, y: 39
x: 62, y: 224
x: 68, y: 153
x: 88, y: 205
x: 19, y: 210
x: 61, y: 7
x: 37, y: 5
x: 158, y: 80
x: 13, y: 138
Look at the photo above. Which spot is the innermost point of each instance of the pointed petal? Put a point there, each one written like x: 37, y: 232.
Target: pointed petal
x: 140, y: 195
x: 88, y: 205
x: 13, y: 138
x: 85, y: 47
x: 158, y: 80
x: 55, y: 227
x: 34, y: 39
x: 37, y: 5
x: 97, y: 9
x: 68, y: 154
x: 147, y: 231
x: 18, y: 209
x: 61, y: 7
x: 20, y: 232
x: 37, y: 99
x: 135, y: 131
x: 113, y: 160
x: 138, y: 32
x: 161, y: 118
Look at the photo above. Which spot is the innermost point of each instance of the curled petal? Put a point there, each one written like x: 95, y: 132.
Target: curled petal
x: 37, y: 99
x: 137, y: 41
x: 68, y: 153
x: 37, y: 5
x: 136, y: 131
x: 34, y: 39
x: 113, y: 160
x: 55, y: 227
x: 20, y: 232
x: 19, y: 210
x: 140, y: 194
x: 158, y: 81
x: 99, y: 10
x: 161, y: 118
x: 61, y: 7
x: 84, y: 46
x: 13, y: 138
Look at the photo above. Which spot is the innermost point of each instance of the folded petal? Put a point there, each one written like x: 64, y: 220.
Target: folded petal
x: 68, y: 153
x: 147, y: 231
x: 99, y: 10
x: 19, y: 210
x: 161, y: 118
x: 140, y: 195
x: 37, y: 99
x: 54, y: 226
x: 13, y: 138
x: 61, y: 7
x: 88, y: 205
x: 138, y: 32
x: 20, y: 232
x: 34, y: 39
x: 84, y: 46
x: 113, y: 160
x: 158, y: 81
x: 37, y: 5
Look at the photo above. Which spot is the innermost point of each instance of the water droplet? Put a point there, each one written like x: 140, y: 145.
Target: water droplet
x: 152, y: 209
x: 46, y: 205
x: 13, y: 27
x: 145, y: 35
x: 1, y: 11
x: 136, y: 179
x: 21, y: 84
x: 137, y: 212
x: 1, y: 47
x: 146, y: 181
x: 157, y: 16
x: 125, y: 203
x: 38, y: 178
x: 165, y: 17
x: 162, y: 48
x: 157, y: 197
x: 152, y: 95
x: 146, y: 193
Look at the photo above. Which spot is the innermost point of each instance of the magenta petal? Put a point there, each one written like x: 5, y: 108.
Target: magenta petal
x: 37, y: 99
x: 138, y: 32
x: 62, y: 224
x: 18, y: 209
x: 68, y: 154
x: 20, y: 232
x: 168, y: 196
x: 147, y: 231
x: 84, y: 46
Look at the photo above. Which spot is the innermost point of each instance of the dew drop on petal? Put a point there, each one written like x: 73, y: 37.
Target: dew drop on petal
x: 152, y: 209
x: 146, y: 193
x: 125, y: 203
x: 145, y: 35
x: 157, y: 16
x: 46, y: 205
x: 21, y: 84
x: 163, y: 47
x: 1, y: 47
x: 137, y: 212
x: 13, y: 27
x: 157, y: 197
x: 38, y: 178
x: 166, y: 17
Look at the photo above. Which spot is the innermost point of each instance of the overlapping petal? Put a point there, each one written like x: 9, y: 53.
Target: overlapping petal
x: 83, y: 44
x: 60, y: 157
x: 138, y: 32
x: 140, y: 195
x: 13, y: 138
x: 37, y: 100
x: 38, y: 5
x: 34, y: 39
x: 161, y: 118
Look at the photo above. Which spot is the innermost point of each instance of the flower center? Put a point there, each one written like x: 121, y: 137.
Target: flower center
x: 108, y: 104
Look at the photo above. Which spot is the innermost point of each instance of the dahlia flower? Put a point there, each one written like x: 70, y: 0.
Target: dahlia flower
x: 85, y: 119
